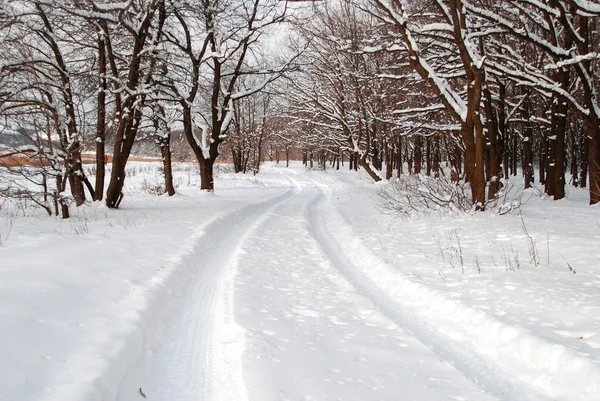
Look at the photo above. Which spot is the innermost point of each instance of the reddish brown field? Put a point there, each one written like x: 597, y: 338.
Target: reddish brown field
x: 91, y: 159
x: 21, y: 160
x: 25, y: 160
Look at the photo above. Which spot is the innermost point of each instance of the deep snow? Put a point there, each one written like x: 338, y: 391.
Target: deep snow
x: 292, y: 285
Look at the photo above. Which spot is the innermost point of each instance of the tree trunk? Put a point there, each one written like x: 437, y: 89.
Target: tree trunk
x: 428, y: 155
x: 436, y: 156
x: 515, y: 154
x: 542, y: 161
x: 165, y: 150
x: 206, y: 175
x: 494, y: 158
x: 593, y: 133
x: 583, y: 168
x: 474, y: 164
x: 236, y: 156
x: 399, y: 162
x: 574, y: 157
x: 126, y: 133
x: 506, y: 160
x: 101, y: 122
x: 418, y: 155
x: 64, y: 207
x: 389, y: 161
x: 555, y: 170
x: 527, y: 160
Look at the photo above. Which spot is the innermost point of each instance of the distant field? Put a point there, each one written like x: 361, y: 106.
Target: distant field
x: 25, y: 159
x: 87, y: 158
x: 29, y: 159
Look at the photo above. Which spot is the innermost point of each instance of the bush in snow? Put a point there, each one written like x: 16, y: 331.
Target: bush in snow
x: 422, y: 194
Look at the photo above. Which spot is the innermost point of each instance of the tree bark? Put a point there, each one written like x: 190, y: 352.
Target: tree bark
x: 555, y: 176
x: 165, y: 150
x: 583, y: 168
x: 399, y: 162
x: 528, y: 172
x: 418, y: 155
x: 101, y: 121
x: 594, y: 159
x: 389, y: 161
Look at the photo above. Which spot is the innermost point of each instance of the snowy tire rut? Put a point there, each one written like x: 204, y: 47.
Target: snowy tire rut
x: 194, y: 358
x: 312, y: 336
x: 509, y: 361
x: 469, y: 364
x: 277, y: 310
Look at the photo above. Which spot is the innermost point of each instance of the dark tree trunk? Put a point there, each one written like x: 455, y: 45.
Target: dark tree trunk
x: 206, y: 174
x: 165, y: 150
x: 236, y: 156
x: 501, y: 143
x: 474, y: 164
x: 418, y: 155
x: 506, y: 153
x: 101, y: 122
x: 555, y: 171
x: 593, y: 132
x: 528, y: 173
x: 542, y: 161
x: 389, y: 161
x: 58, y: 200
x: 574, y: 157
x: 583, y: 169
x: 493, y: 170
x: 399, y: 162
x: 436, y: 156
x: 515, y: 154
x: 428, y: 155
x: 123, y: 145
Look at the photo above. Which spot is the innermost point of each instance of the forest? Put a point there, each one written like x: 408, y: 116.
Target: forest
x: 461, y: 93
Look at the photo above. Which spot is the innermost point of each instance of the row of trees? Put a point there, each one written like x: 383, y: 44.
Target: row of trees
x: 489, y: 87
x: 480, y: 84
x: 72, y: 70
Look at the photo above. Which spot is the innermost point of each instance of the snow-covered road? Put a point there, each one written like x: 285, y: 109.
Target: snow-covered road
x: 273, y: 314
x: 285, y: 286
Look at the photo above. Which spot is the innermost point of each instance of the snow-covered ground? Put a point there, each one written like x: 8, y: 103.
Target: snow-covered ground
x: 292, y: 285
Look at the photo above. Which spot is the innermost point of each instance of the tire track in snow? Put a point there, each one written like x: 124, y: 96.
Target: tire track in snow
x: 198, y: 356
x: 481, y: 372
x: 309, y: 331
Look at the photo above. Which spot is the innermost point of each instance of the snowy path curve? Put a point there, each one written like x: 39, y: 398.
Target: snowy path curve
x: 470, y: 364
x: 278, y: 310
x: 311, y: 335
x: 186, y: 361
x: 517, y: 363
